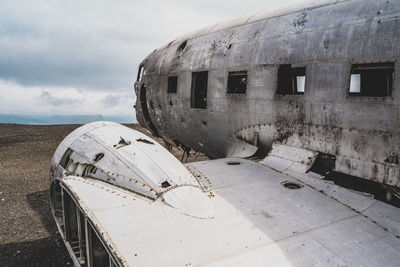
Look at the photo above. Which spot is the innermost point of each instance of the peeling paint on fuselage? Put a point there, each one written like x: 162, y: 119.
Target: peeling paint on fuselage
x: 362, y: 132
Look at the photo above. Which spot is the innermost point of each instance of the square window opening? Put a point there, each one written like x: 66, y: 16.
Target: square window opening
x: 172, y: 84
x: 237, y: 82
x: 198, y: 98
x: 371, y: 79
x: 291, y: 81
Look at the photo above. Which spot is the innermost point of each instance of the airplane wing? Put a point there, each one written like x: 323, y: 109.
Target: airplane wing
x: 249, y: 214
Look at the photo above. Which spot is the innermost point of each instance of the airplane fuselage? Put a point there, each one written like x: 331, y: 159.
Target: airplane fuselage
x: 322, y: 78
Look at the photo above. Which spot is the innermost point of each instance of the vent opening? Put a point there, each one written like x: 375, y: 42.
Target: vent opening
x: 165, y: 184
x: 291, y: 185
x: 233, y: 163
x: 98, y: 157
x: 145, y: 141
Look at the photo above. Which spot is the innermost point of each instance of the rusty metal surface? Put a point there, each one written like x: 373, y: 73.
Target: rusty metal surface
x: 326, y: 38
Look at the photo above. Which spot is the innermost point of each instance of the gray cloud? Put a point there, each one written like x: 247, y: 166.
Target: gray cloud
x: 96, y: 44
x: 114, y: 99
x: 65, y: 51
x: 48, y: 99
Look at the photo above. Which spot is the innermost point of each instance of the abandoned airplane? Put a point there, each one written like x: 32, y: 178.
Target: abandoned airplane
x: 300, y: 111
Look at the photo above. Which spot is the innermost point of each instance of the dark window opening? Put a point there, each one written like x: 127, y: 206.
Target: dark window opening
x: 291, y: 81
x: 323, y: 164
x: 237, y: 82
x: 199, y: 90
x: 56, y: 203
x: 372, y: 79
x: 97, y: 252
x: 172, y: 84
x: 165, y: 184
x: 98, y: 157
x: 65, y: 158
x: 74, y: 234
x: 82, y: 238
x: 140, y: 73
x: 145, y: 110
x: 182, y: 46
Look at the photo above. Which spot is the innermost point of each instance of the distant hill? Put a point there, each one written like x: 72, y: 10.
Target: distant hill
x: 62, y: 119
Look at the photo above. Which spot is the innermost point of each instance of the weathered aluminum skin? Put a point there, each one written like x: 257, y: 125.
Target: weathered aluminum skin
x: 326, y: 38
x: 257, y: 222
x: 140, y: 166
x: 226, y: 212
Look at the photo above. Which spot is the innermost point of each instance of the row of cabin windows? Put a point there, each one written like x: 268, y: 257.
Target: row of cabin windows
x: 81, y: 238
x: 372, y: 79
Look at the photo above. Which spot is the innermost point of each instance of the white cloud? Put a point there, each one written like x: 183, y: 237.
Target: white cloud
x: 17, y: 99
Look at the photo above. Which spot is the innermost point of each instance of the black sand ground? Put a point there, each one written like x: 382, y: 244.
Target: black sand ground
x: 28, y: 234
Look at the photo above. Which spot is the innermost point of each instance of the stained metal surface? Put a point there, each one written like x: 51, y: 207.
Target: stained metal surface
x: 133, y: 161
x: 325, y: 38
x: 257, y: 222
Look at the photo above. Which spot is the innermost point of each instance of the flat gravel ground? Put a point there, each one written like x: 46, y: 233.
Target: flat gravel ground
x: 28, y: 234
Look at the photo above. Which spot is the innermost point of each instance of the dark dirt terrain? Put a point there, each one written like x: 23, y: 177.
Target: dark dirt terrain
x: 28, y: 234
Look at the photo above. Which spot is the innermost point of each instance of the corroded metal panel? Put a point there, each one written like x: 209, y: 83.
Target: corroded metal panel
x: 325, y: 38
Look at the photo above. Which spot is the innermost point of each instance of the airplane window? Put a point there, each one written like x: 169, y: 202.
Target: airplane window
x: 182, y: 46
x: 237, y: 82
x: 371, y: 79
x: 71, y: 223
x: 56, y: 202
x: 82, y: 238
x: 172, y: 84
x: 355, y: 86
x: 141, y: 72
x: 301, y: 82
x: 97, y: 252
x: 75, y: 228
x: 65, y: 158
x: 291, y: 81
x: 198, y: 97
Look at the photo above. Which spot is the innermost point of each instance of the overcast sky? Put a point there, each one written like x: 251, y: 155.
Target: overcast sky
x: 81, y: 57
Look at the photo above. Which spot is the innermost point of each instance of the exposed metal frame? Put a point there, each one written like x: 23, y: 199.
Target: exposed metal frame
x: 79, y: 211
